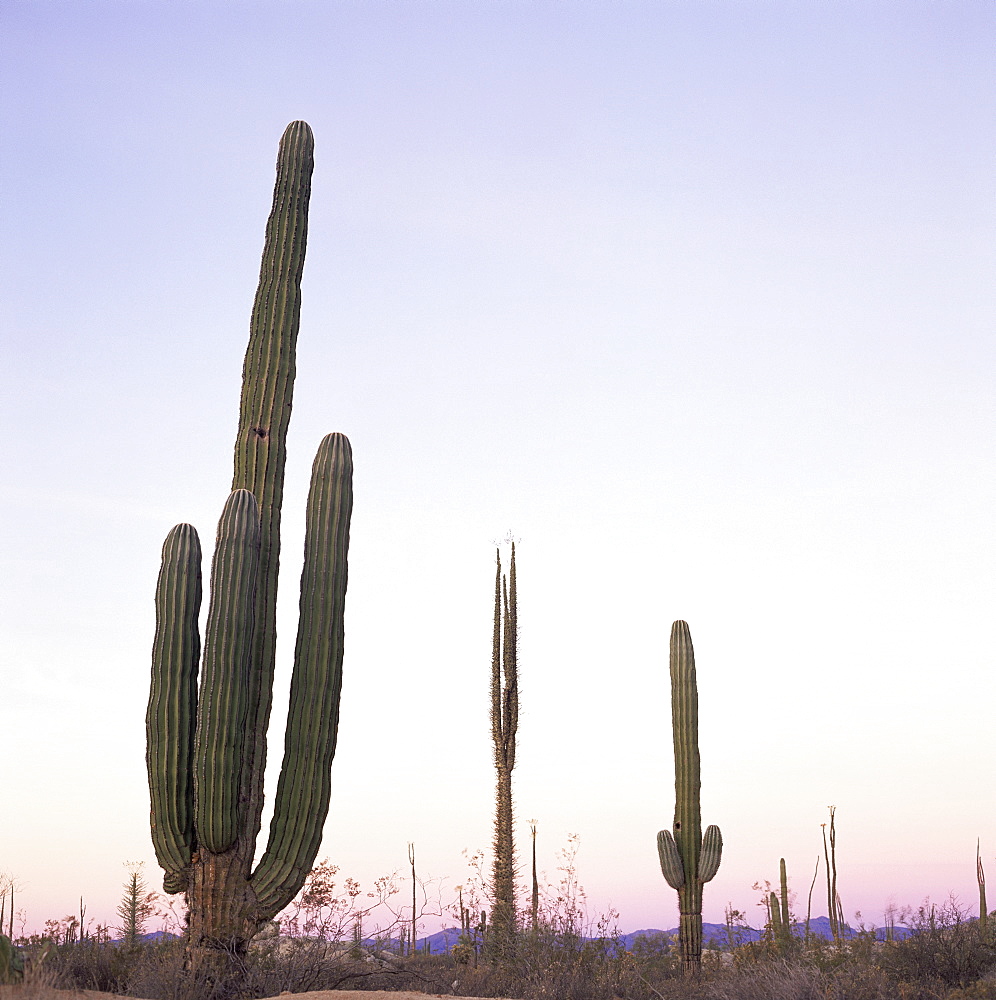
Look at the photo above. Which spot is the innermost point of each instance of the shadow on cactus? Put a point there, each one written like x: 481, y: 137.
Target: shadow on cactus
x: 206, y: 735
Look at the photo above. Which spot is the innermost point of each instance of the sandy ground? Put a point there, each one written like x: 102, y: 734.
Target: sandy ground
x: 43, y: 993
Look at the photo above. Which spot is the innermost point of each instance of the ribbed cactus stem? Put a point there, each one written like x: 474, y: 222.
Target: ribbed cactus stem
x: 784, y: 903
x: 711, y: 854
x: 172, y: 713
x: 304, y: 788
x: 264, y: 415
x: 221, y: 712
x: 698, y: 856
x: 672, y: 867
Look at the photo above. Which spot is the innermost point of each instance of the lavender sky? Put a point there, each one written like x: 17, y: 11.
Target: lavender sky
x: 693, y: 298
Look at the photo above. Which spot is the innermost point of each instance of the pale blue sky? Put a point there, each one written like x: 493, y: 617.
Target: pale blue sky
x: 695, y: 298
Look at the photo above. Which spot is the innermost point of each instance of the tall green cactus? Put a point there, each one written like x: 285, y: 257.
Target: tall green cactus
x: 207, y: 743
x: 786, y: 918
x: 779, y: 917
x: 688, y: 859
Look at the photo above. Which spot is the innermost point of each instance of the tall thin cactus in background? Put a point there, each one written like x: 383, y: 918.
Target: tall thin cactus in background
x: 688, y: 858
x: 980, y: 874
x: 835, y: 911
x: 781, y: 920
x: 534, y: 901
x: 136, y: 907
x: 809, y: 901
x: 504, y: 724
x: 411, y: 861
x: 206, y: 742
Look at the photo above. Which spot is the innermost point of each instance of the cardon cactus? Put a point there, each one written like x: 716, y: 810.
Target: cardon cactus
x: 688, y: 858
x: 785, y: 918
x: 206, y: 749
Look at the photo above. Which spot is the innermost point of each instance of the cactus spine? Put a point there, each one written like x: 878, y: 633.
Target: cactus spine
x: 207, y: 744
x: 688, y: 859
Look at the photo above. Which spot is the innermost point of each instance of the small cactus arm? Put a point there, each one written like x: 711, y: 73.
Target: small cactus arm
x: 172, y: 712
x: 688, y: 858
x: 775, y: 918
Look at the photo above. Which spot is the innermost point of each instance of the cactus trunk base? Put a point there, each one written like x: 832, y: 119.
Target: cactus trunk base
x: 222, y: 909
x: 690, y: 939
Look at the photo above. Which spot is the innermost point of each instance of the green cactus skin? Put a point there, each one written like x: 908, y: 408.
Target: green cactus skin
x: 786, y: 924
x: 172, y: 712
x: 221, y: 716
x: 264, y: 415
x: 699, y: 856
x: 671, y: 864
x: 304, y: 788
x: 711, y: 855
x: 207, y: 750
x: 774, y: 918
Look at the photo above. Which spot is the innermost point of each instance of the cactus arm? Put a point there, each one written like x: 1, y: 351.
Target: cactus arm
x: 221, y: 716
x: 265, y: 409
x: 774, y: 918
x: 671, y: 866
x: 172, y: 709
x: 711, y: 854
x: 303, y: 791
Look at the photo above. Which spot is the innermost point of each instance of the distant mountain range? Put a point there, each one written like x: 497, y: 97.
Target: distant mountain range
x: 713, y: 935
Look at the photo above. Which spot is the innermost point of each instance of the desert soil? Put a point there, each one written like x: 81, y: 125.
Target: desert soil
x: 16, y: 992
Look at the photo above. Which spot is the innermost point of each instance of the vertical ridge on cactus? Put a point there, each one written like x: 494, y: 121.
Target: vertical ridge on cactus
x: 221, y: 712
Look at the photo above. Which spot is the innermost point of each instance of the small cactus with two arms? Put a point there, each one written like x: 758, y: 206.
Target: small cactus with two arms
x: 688, y: 858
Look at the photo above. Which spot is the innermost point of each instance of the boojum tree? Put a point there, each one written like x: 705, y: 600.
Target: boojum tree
x: 504, y: 725
x: 208, y: 713
x: 688, y: 858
